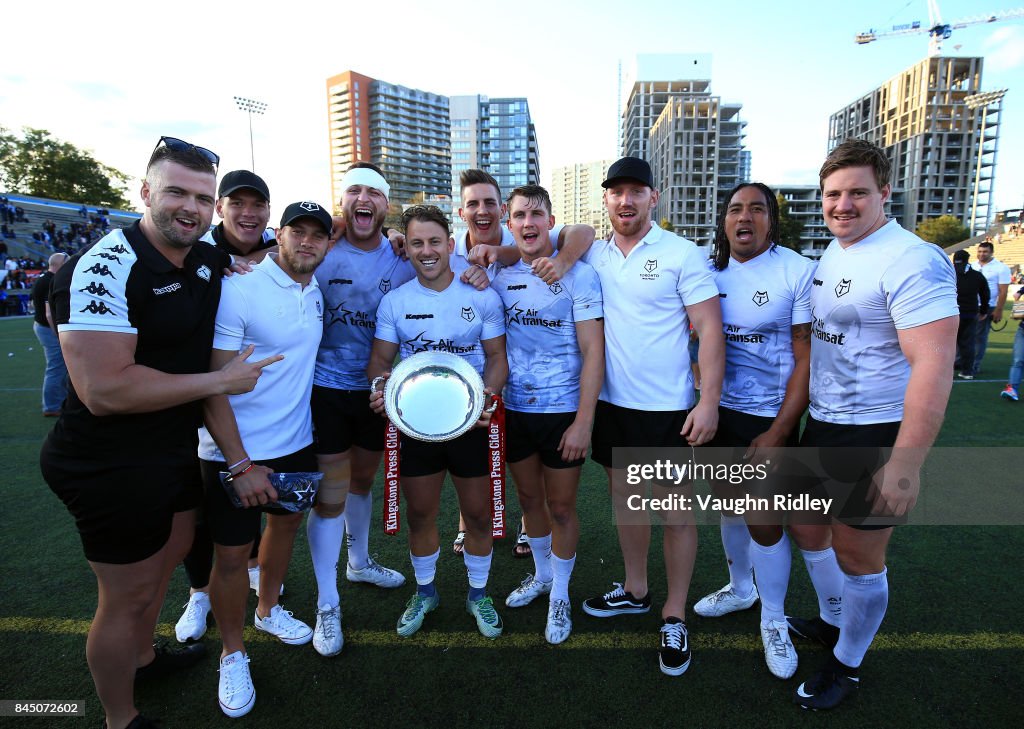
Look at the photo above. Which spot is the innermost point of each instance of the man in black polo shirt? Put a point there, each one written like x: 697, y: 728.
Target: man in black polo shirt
x: 135, y: 315
x: 56, y: 375
x: 243, y: 203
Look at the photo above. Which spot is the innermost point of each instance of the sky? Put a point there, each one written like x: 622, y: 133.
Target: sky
x: 114, y: 79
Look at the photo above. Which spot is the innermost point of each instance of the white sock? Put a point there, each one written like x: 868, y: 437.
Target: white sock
x: 864, y: 602
x: 771, y: 571
x: 827, y: 579
x: 562, y: 573
x: 736, y: 542
x: 424, y: 567
x: 477, y: 568
x: 541, y: 548
x: 324, y: 536
x: 357, y: 516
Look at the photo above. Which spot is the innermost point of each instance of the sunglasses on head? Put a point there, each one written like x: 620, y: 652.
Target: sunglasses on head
x: 180, y: 145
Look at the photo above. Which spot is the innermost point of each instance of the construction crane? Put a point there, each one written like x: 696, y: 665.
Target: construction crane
x: 936, y: 29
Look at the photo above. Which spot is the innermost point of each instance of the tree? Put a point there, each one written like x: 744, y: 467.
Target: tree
x: 943, y: 230
x: 790, y: 228
x: 41, y: 165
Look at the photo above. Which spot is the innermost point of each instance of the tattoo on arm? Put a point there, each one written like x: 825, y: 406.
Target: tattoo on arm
x: 801, y: 332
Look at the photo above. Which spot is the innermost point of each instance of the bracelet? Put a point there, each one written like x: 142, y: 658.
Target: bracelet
x: 233, y: 466
x: 233, y: 476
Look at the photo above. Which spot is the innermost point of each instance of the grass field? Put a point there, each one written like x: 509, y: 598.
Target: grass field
x: 950, y: 652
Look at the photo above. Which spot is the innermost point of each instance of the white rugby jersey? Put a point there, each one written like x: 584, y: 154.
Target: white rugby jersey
x: 460, y: 262
x: 353, y: 282
x: 860, y: 297
x: 544, y: 356
x: 646, y: 330
x: 455, y: 320
x: 761, y: 300
x: 270, y: 310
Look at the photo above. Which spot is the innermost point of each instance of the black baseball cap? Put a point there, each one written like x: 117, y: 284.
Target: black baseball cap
x: 629, y: 168
x: 307, y: 209
x: 241, y: 179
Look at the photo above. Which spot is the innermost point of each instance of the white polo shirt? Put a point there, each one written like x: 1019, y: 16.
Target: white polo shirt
x: 646, y: 330
x: 995, y: 272
x: 280, y: 316
x: 861, y: 296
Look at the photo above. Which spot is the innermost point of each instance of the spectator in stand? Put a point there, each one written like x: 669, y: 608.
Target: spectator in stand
x: 55, y: 379
x: 972, y: 296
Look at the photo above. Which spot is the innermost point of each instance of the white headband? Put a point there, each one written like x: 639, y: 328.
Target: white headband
x: 365, y: 176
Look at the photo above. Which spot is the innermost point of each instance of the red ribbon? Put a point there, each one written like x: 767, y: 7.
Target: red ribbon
x: 392, y: 475
x: 496, y: 449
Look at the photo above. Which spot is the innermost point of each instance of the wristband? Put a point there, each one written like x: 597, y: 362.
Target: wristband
x: 233, y: 466
x: 244, y: 471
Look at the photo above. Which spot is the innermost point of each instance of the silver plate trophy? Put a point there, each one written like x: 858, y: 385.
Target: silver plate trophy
x: 433, y: 396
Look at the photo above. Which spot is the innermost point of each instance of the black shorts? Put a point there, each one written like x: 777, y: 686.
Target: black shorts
x: 618, y: 427
x: 465, y: 457
x: 849, y: 456
x: 342, y: 419
x: 737, y: 430
x: 230, y: 526
x: 123, y: 503
x: 529, y: 433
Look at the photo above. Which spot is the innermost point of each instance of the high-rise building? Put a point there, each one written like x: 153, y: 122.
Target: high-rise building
x: 941, y: 134
x: 406, y: 132
x: 497, y: 136
x: 691, y: 138
x: 577, y: 195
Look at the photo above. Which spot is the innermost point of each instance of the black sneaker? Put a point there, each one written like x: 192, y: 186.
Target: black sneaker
x: 814, y: 629
x: 827, y: 688
x: 139, y: 722
x: 168, y: 660
x: 674, y: 656
x: 616, y: 602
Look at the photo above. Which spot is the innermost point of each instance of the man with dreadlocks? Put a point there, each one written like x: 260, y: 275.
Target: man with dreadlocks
x: 765, y: 292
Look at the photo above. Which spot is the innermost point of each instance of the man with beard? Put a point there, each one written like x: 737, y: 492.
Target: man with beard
x: 884, y: 320
x: 997, y: 274
x: 436, y: 312
x: 349, y: 438
x: 278, y: 309
x: 135, y: 316
x: 654, y: 284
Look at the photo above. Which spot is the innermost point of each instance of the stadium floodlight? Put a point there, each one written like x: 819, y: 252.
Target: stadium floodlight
x: 982, y: 100
x: 251, y: 106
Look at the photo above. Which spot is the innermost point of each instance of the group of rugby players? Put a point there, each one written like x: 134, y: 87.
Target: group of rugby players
x: 585, y: 339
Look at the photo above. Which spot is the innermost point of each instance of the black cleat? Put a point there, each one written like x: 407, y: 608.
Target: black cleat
x: 169, y: 660
x: 814, y: 629
x: 827, y: 688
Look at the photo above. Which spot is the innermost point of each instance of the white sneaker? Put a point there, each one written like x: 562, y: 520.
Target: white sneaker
x: 375, y: 574
x: 235, y: 691
x: 724, y: 601
x: 559, y: 622
x: 282, y: 625
x: 779, y: 652
x: 254, y: 581
x: 327, y: 636
x: 192, y: 623
x: 530, y: 589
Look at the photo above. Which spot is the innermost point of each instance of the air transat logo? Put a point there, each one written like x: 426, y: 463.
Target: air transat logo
x: 419, y: 343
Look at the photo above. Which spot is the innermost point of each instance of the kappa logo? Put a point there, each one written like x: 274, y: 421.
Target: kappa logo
x: 170, y: 288
x: 96, y: 289
x: 760, y: 298
x: 843, y: 287
x: 98, y: 307
x: 467, y: 313
x: 118, y: 249
x: 651, y: 265
x: 203, y: 272
x: 385, y: 285
x: 109, y: 257
x: 817, y: 282
x: 100, y: 270
x: 555, y: 288
x: 309, y: 207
